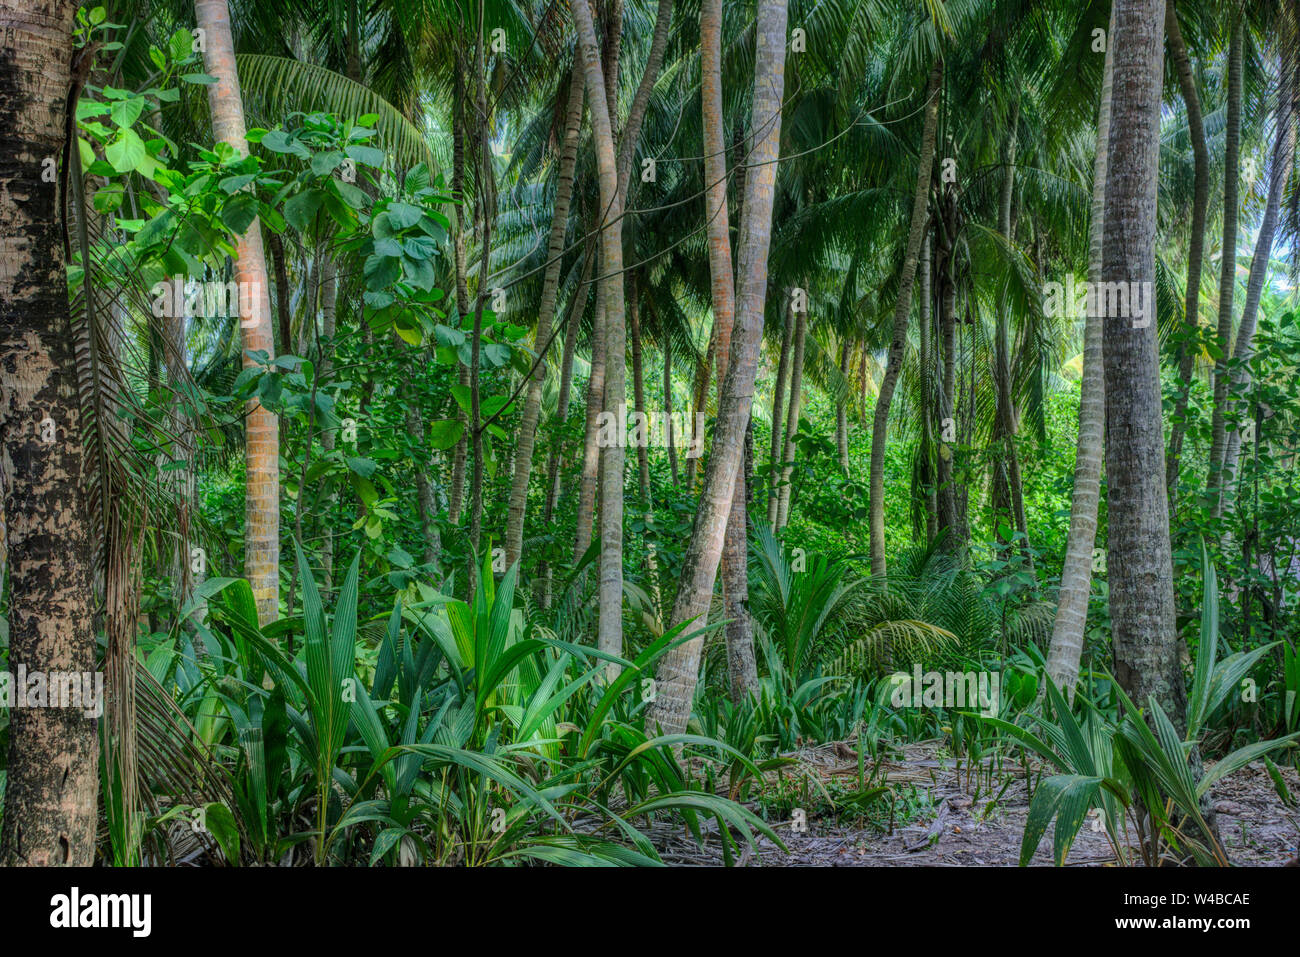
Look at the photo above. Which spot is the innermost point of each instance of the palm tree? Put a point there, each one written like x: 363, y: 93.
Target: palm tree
x: 1228, y: 263
x: 902, y: 309
x: 52, y: 784
x: 262, y: 447
x: 1196, y: 247
x: 679, y: 669
x: 610, y: 633
x: 1141, y: 564
x: 1279, y: 174
x: 1076, y: 571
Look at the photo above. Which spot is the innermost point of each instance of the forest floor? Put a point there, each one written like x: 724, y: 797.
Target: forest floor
x: 947, y: 813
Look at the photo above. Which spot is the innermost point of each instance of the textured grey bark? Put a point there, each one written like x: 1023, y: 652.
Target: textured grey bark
x: 902, y: 309
x: 1076, y: 571
x: 679, y: 668
x: 1140, y: 565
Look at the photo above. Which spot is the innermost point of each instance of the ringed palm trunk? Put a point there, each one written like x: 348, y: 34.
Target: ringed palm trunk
x: 793, y: 408
x: 587, y: 483
x: 1196, y: 246
x: 262, y: 498
x: 778, y: 425
x: 679, y: 669
x: 1279, y: 174
x: 329, y: 298
x: 456, y: 496
x: 880, y: 419
x: 842, y: 412
x: 741, y: 668
x: 1076, y: 571
x: 523, y: 466
x: 1140, y: 566
x: 1228, y: 267
x: 576, y: 306
x: 925, y: 321
x: 610, y: 629
x: 50, y: 798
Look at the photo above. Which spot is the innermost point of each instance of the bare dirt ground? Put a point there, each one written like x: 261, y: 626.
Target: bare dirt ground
x: 955, y: 820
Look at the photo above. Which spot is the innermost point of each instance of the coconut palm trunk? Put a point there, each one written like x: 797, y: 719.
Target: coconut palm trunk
x: 794, y: 405
x: 1140, y: 565
x: 775, y: 459
x: 1076, y: 571
x: 1196, y: 245
x: 1279, y: 174
x: 262, y: 444
x: 456, y: 495
x: 52, y: 785
x: 902, y: 309
x: 679, y: 669
x: 610, y: 628
x: 735, y: 587
x: 523, y: 466
x: 1228, y: 266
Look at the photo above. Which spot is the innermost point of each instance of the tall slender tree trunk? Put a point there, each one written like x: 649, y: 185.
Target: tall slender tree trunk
x: 262, y: 501
x: 1196, y: 245
x: 329, y: 437
x: 487, y: 215
x: 679, y: 668
x: 610, y: 629
x: 589, y: 478
x: 52, y: 785
x: 842, y: 412
x: 1007, y: 419
x: 929, y: 495
x: 1076, y: 571
x: 456, y: 495
x: 776, y: 458
x: 668, y: 406
x: 739, y: 633
x: 576, y: 306
x: 951, y: 503
x: 1140, y: 566
x: 1279, y: 174
x: 1228, y: 266
x: 546, y: 310
x: 793, y: 408
x: 880, y: 419
x: 700, y: 404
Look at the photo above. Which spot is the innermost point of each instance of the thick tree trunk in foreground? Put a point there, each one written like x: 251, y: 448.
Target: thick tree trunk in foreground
x: 880, y: 419
x: 1140, y: 566
x: 262, y: 502
x: 679, y: 669
x: 1196, y: 246
x: 50, y: 797
x: 523, y: 466
x: 1076, y: 572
